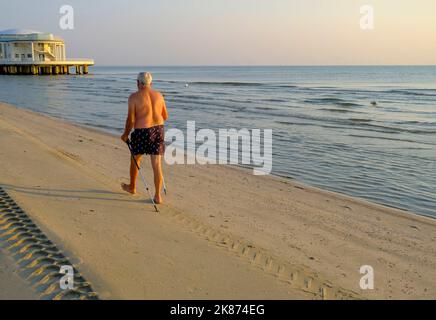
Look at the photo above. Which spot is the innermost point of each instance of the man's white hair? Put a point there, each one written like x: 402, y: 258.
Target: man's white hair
x: 145, y: 78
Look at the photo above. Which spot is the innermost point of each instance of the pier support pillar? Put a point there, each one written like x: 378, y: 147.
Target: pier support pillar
x: 36, y: 69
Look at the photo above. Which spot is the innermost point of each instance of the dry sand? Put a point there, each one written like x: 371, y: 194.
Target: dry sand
x: 223, y: 233
x: 12, y: 286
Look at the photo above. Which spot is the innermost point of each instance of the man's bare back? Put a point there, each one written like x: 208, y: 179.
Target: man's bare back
x: 149, y: 108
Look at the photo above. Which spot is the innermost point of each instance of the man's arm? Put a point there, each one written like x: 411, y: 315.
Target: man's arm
x: 130, y: 122
x: 164, y: 110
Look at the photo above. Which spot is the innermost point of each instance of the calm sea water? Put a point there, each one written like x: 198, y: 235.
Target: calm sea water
x: 326, y: 131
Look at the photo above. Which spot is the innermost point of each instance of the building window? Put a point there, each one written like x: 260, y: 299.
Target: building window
x: 17, y: 56
x: 29, y: 56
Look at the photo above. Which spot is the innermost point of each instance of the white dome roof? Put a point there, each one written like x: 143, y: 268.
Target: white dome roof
x: 19, y: 32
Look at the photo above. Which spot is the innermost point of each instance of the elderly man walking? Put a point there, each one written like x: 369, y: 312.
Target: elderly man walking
x: 146, y: 115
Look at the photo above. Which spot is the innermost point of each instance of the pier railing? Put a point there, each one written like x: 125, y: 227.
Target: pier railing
x: 69, y: 62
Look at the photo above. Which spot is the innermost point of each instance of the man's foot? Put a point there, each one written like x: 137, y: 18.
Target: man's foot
x: 158, y: 200
x: 128, y: 188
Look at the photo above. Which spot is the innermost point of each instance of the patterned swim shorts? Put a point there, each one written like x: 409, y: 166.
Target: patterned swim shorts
x: 150, y: 141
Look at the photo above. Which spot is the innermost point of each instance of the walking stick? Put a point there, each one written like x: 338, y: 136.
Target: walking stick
x: 164, y: 186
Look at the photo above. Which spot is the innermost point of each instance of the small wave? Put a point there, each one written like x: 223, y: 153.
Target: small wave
x: 335, y: 101
x: 274, y: 100
x: 359, y: 120
x: 171, y: 92
x: 324, y: 100
x: 264, y: 108
x: 358, y: 124
x: 339, y: 110
x: 413, y: 122
x: 389, y: 129
x: 393, y: 139
x: 232, y: 84
x: 285, y: 86
x: 192, y: 97
x: 348, y: 104
x: 414, y: 92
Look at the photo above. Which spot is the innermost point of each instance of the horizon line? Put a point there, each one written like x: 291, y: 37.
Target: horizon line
x: 272, y: 65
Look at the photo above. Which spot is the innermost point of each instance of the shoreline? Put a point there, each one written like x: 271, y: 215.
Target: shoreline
x: 322, y: 234
x: 241, y: 167
x: 323, y: 142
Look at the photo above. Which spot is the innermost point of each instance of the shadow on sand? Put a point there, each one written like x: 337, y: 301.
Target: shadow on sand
x: 85, y: 194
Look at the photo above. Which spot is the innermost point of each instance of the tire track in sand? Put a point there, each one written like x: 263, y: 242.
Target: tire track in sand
x: 38, y: 259
x: 297, y: 276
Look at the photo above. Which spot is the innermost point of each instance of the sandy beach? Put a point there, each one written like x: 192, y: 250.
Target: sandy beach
x: 13, y: 286
x: 222, y: 233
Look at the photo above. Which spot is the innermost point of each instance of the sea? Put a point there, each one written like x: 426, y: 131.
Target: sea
x: 368, y: 131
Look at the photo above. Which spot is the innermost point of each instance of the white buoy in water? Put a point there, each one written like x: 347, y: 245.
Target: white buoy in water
x: 187, y: 85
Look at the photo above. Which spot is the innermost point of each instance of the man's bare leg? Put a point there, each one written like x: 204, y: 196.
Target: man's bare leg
x: 131, y: 188
x: 156, y: 163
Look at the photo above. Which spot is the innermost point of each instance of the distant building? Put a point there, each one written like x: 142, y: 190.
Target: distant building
x: 34, y: 52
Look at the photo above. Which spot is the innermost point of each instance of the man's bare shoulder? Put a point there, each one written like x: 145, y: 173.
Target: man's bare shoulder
x: 133, y: 95
x: 157, y: 94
